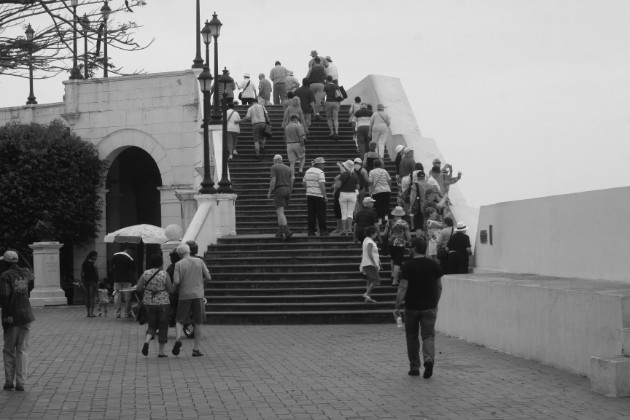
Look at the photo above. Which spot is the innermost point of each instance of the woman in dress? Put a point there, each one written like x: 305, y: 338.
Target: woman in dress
x: 379, y: 181
x: 379, y: 128
x: 459, y: 250
x: 398, y: 236
x: 157, y: 285
x: 89, y: 279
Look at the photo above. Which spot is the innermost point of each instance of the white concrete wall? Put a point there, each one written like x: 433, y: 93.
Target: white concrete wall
x: 580, y: 235
x: 561, y: 322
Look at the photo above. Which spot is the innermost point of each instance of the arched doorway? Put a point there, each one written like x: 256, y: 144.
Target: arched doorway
x: 132, y: 195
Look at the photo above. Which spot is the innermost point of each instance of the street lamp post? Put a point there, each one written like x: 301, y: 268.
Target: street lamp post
x: 205, y: 80
x: 198, y: 61
x: 85, y: 24
x: 215, y: 29
x: 225, y: 186
x: 75, y: 73
x: 105, y: 10
x: 29, y: 37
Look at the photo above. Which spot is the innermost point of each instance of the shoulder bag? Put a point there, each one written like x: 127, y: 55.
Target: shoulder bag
x: 268, y: 127
x: 141, y: 317
x: 240, y: 95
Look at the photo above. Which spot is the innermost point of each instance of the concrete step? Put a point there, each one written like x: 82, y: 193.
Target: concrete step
x: 215, y: 294
x: 366, y: 316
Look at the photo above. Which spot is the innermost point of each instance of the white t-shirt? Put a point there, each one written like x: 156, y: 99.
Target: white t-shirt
x: 232, y: 117
x: 365, y: 259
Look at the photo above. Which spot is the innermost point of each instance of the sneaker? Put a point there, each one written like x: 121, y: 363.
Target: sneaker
x: 414, y: 372
x: 235, y: 152
x: 8, y: 387
x: 176, y: 347
x: 287, y: 235
x: 230, y: 157
x: 428, y: 369
x: 369, y: 300
x: 19, y: 387
x: 196, y: 353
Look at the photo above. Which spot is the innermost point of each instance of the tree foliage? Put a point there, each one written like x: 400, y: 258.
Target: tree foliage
x: 51, y: 50
x: 48, y: 167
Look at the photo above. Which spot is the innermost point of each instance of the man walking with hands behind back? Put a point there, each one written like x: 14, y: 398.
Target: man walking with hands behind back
x: 420, y: 287
x: 124, y: 273
x: 190, y: 273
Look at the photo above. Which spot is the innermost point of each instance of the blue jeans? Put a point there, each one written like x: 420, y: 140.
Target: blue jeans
x: 423, y: 322
x: 15, y: 354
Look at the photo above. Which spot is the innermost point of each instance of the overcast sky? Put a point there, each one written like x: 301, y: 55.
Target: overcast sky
x: 527, y: 98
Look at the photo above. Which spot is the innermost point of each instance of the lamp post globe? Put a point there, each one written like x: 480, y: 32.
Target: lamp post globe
x: 225, y: 186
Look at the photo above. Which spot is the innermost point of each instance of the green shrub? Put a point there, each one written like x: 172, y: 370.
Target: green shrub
x: 48, y: 167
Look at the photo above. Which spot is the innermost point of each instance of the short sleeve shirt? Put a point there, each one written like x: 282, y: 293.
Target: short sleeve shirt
x: 294, y: 132
x: 398, y: 230
x: 422, y: 275
x: 313, y: 177
x: 282, y: 173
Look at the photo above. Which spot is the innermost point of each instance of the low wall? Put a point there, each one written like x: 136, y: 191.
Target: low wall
x: 578, y: 235
x: 561, y: 322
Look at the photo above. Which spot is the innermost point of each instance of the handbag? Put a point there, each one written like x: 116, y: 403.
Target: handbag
x: 340, y: 93
x: 442, y: 253
x: 268, y: 127
x: 141, y: 316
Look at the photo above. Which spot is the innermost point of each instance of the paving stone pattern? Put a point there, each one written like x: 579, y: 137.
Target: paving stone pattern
x: 83, y: 368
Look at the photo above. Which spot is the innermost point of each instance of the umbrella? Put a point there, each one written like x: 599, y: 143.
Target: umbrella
x: 135, y: 234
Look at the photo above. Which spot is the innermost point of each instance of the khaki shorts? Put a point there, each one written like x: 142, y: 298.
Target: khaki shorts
x: 191, y: 309
x: 295, y: 152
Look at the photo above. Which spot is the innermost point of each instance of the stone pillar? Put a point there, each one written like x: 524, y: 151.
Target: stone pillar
x: 47, y: 290
x: 226, y: 215
x: 188, y: 206
x: 215, y: 217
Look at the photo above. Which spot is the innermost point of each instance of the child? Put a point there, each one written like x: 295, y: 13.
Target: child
x: 370, y: 263
x: 103, y: 297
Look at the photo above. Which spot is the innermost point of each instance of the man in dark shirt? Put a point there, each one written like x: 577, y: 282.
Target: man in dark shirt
x: 16, y: 320
x: 421, y: 288
x: 307, y: 100
x: 280, y: 187
x: 365, y: 217
x: 124, y: 273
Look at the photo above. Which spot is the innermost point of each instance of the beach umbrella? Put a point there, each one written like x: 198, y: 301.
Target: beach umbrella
x: 135, y: 234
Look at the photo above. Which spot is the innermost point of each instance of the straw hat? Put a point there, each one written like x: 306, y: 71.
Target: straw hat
x: 461, y: 227
x: 398, y: 211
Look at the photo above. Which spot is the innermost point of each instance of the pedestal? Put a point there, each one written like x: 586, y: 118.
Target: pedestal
x: 215, y: 217
x: 47, y: 290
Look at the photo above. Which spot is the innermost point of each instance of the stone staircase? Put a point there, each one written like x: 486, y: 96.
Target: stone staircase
x: 259, y: 279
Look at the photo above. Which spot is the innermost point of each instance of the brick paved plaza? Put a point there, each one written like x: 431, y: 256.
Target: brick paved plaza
x: 83, y: 368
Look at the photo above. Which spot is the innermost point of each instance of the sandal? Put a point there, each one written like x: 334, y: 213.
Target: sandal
x: 176, y: 347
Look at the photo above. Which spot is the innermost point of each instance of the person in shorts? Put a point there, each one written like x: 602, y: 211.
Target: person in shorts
x: 294, y: 136
x: 280, y: 187
x: 370, y: 263
x: 190, y: 274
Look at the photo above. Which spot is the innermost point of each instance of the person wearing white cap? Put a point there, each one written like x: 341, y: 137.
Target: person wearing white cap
x: 248, y: 90
x: 459, y: 249
x: 17, y: 316
x: 365, y: 217
x: 314, y: 183
x: 379, y: 128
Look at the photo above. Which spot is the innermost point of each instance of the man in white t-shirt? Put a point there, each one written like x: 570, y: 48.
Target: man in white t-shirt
x: 314, y: 182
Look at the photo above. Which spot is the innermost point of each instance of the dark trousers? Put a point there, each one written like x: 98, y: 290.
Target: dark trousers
x: 363, y: 140
x: 382, y: 203
x: 457, y: 263
x: 420, y: 324
x: 316, y: 208
x: 90, y: 288
x: 157, y: 318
